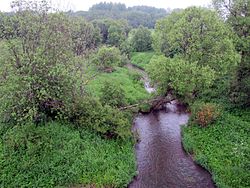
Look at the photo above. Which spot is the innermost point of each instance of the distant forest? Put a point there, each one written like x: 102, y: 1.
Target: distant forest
x: 136, y: 15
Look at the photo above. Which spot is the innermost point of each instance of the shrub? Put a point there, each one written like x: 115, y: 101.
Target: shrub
x: 205, y: 113
x: 38, y: 79
x: 112, y: 94
x: 109, y: 121
x: 107, y: 58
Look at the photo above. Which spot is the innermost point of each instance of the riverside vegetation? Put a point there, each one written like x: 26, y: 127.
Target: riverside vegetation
x: 65, y: 83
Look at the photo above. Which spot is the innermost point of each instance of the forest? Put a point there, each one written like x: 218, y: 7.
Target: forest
x: 73, y: 83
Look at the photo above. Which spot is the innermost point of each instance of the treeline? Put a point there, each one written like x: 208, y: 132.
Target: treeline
x: 136, y: 16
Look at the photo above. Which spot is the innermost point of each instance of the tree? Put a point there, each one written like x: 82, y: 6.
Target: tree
x: 237, y: 14
x: 107, y: 58
x: 113, y: 32
x: 141, y: 39
x: 39, y: 81
x: 199, y: 35
x: 85, y: 36
x: 185, y: 79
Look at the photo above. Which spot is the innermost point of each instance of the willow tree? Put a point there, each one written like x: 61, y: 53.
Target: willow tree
x: 199, y: 35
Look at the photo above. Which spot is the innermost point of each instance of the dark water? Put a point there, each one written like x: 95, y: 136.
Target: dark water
x: 161, y: 160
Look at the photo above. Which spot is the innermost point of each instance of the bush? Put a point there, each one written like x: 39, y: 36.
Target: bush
x: 89, y: 112
x: 112, y: 94
x: 107, y: 58
x: 38, y: 77
x: 205, y: 113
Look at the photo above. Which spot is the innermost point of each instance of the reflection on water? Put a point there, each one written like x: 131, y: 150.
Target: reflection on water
x: 161, y: 160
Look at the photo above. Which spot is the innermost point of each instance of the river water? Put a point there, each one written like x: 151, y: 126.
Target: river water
x: 161, y: 160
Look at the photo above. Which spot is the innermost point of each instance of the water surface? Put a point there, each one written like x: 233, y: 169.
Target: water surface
x: 161, y: 160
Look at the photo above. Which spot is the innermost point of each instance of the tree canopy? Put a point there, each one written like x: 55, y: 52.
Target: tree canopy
x: 198, y: 35
x: 236, y: 13
x: 141, y: 39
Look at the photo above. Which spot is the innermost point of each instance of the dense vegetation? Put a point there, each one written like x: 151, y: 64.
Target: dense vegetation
x: 65, y: 83
x: 56, y: 154
x: 136, y: 16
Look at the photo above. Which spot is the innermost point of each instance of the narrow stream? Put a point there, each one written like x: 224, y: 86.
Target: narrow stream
x: 161, y: 160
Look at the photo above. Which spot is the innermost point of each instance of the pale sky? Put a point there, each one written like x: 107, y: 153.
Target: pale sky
x: 77, y: 5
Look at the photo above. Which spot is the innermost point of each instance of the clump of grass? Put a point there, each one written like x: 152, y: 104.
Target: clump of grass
x: 223, y: 148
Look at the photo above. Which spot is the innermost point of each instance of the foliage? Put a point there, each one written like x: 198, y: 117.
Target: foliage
x: 199, y: 35
x: 85, y: 36
x: 236, y: 13
x: 141, y: 39
x: 107, y: 58
x: 141, y: 59
x: 117, y: 33
x: 55, y: 155
x: 104, y: 119
x: 186, y: 79
x: 113, y: 32
x: 126, y: 48
x: 38, y: 82
x: 223, y: 149
x: 136, y: 15
x: 205, y: 113
x: 109, y: 6
x: 112, y: 94
x: 129, y: 82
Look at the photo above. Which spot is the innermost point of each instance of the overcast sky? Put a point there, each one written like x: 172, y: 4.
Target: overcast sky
x: 85, y: 4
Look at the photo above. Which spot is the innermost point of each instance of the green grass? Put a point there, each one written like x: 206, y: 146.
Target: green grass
x: 141, y: 59
x: 127, y: 79
x: 223, y: 148
x: 57, y: 155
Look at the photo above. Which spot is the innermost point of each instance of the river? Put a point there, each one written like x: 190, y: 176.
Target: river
x: 161, y: 160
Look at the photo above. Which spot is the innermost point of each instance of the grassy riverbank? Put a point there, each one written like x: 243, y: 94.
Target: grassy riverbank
x: 128, y: 80
x: 223, y: 148
x: 141, y: 59
x: 57, y: 155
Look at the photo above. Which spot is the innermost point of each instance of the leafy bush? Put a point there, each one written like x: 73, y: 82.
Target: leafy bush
x: 109, y: 121
x: 199, y: 35
x: 205, y: 113
x: 112, y: 94
x: 38, y: 82
x: 107, y: 58
x: 186, y: 79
